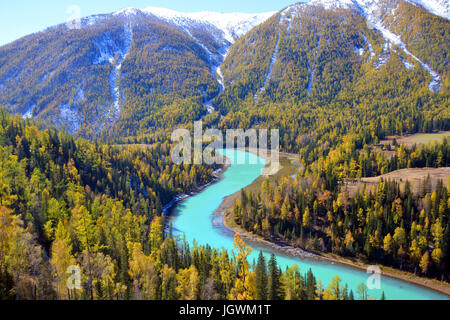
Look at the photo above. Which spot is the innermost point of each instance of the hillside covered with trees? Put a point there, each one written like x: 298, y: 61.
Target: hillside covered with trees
x: 389, y: 224
x: 87, y: 114
x: 67, y: 202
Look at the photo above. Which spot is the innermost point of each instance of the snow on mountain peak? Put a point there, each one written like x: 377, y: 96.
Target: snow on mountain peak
x: 126, y: 11
x: 437, y: 7
x: 333, y: 4
x: 233, y: 25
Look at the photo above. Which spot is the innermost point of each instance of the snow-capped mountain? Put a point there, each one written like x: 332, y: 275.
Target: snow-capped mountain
x: 332, y: 4
x: 233, y: 25
x: 331, y: 45
x: 224, y: 28
x: 137, y: 65
x: 97, y: 57
x: 437, y: 7
x: 376, y: 11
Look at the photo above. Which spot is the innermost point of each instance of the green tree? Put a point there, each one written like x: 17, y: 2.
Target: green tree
x: 261, y: 278
x: 168, y: 283
x: 273, y: 279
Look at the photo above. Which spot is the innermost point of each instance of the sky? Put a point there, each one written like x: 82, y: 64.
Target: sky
x: 21, y: 17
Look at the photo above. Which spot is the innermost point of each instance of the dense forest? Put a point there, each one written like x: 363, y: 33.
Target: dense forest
x: 389, y: 223
x: 67, y: 202
x: 94, y: 195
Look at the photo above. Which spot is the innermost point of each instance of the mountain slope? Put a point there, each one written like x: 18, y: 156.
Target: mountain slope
x: 319, y: 71
x: 143, y: 72
x: 130, y: 63
x: 437, y: 7
x: 315, y: 50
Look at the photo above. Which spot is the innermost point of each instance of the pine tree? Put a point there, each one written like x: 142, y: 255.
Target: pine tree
x: 351, y: 296
x: 425, y: 262
x: 273, y: 282
x: 310, y: 285
x: 261, y: 278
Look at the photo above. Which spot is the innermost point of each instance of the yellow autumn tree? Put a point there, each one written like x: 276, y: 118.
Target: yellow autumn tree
x: 335, y: 291
x: 388, y: 243
x: 306, y: 218
x: 188, y: 283
x: 143, y: 274
x: 60, y: 261
x: 425, y: 262
x: 242, y: 289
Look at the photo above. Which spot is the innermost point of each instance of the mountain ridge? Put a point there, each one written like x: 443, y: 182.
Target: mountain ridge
x: 138, y: 70
x: 437, y: 7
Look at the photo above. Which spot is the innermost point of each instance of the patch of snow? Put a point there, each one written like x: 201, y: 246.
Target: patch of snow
x: 233, y: 25
x: 382, y: 60
x: 219, y: 74
x: 286, y: 15
x: 91, y: 20
x: 29, y: 113
x: 311, y: 78
x: 405, y: 62
x: 69, y: 118
x: 370, y: 9
x: 333, y: 4
x: 46, y: 76
x: 220, y: 78
x: 115, y: 75
x: 369, y: 45
x: 311, y: 70
x: 272, y: 62
x: 126, y: 11
x: 80, y: 95
x: 208, y: 103
x: 385, y: 55
x: 107, y: 49
x: 438, y: 7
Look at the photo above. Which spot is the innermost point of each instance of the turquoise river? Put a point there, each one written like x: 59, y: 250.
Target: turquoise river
x: 194, y: 217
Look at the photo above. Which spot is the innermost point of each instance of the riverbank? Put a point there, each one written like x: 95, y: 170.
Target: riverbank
x: 228, y: 222
x: 225, y: 216
x: 217, y: 176
x: 205, y: 234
